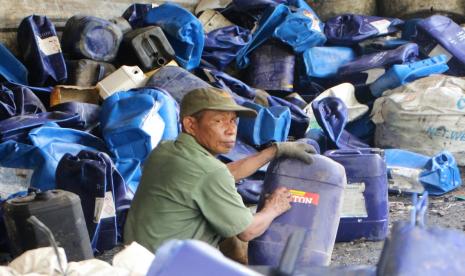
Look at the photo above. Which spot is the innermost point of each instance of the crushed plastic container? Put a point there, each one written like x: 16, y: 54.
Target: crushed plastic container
x: 196, y: 258
x: 272, y: 68
x: 125, y: 78
x: 317, y: 191
x: 365, y: 207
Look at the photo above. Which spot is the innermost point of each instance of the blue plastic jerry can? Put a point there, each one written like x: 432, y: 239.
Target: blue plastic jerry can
x: 365, y: 209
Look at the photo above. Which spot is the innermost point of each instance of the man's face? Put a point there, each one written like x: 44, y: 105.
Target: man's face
x: 214, y: 130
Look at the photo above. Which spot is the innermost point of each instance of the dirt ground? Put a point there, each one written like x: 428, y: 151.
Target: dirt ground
x: 446, y: 211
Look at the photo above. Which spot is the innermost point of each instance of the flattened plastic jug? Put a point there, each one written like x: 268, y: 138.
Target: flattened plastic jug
x: 271, y: 124
x: 349, y: 29
x: 212, y: 20
x: 125, y: 78
x: 193, y: 257
x: 405, y: 53
x: 91, y: 37
x: 86, y: 72
x: 322, y: 62
x: 41, y: 51
x: 365, y: 208
x: 183, y: 30
x: 176, y: 80
x: 131, y: 124
x: 272, y: 68
x: 223, y: 44
x: 317, y: 191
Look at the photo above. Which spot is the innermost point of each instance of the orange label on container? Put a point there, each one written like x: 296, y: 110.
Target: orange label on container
x: 304, y: 197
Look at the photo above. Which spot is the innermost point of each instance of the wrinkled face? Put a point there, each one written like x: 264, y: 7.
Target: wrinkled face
x: 214, y: 130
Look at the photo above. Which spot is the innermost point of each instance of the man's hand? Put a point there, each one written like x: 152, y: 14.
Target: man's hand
x: 301, y: 151
x: 275, y: 204
x: 278, y: 202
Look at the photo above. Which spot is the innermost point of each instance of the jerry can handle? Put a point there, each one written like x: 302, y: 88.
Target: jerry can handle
x: 153, y: 38
x: 42, y: 227
x: 343, y: 152
x: 100, y: 72
x: 418, y: 213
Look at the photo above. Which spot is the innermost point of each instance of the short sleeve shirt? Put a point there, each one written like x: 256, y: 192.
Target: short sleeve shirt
x: 185, y: 193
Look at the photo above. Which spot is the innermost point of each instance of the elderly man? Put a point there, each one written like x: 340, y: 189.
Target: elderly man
x: 186, y: 193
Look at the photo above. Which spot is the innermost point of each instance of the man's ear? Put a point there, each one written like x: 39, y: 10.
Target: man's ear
x: 189, y: 125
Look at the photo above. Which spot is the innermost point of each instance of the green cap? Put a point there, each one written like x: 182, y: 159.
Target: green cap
x: 212, y: 98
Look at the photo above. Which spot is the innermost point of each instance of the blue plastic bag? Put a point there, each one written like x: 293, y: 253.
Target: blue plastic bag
x: 93, y: 177
x: 271, y: 125
x: 349, y: 29
x: 183, y: 30
x: 223, y: 44
x: 11, y: 69
x: 301, y: 30
x: 416, y: 249
x: 41, y: 51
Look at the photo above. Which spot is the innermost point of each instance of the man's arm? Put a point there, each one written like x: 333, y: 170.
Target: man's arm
x: 276, y: 204
x: 246, y: 167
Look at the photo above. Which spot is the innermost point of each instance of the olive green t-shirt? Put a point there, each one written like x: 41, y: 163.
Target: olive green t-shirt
x: 185, y: 193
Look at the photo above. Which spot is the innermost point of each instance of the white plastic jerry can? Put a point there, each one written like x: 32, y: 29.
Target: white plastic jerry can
x: 125, y: 78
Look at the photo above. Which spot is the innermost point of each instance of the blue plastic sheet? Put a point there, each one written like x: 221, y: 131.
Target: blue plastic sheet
x: 11, y: 69
x: 349, y: 29
x: 223, y: 44
x: 439, y: 174
x: 18, y: 101
x: 40, y: 48
x: 93, y: 177
x: 271, y: 125
x: 183, y: 30
x: 301, y: 30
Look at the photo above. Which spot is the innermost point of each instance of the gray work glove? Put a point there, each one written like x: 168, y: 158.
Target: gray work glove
x: 297, y: 150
